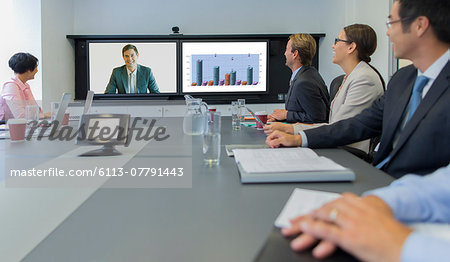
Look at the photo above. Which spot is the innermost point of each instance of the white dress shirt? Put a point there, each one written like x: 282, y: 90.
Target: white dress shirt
x: 132, y: 81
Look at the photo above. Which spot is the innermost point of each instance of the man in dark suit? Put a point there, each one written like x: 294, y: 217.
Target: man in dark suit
x: 307, y: 100
x: 131, y: 78
x: 413, y: 115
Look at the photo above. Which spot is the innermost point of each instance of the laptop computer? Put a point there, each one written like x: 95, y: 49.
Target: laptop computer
x: 65, y: 99
x: 87, y: 106
x: 64, y: 103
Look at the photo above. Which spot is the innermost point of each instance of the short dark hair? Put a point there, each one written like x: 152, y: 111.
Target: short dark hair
x: 129, y: 47
x: 365, y: 39
x: 23, y: 62
x: 305, y: 45
x: 437, y: 12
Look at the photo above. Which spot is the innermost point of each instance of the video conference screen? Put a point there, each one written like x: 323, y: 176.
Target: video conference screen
x: 224, y: 67
x: 156, y: 64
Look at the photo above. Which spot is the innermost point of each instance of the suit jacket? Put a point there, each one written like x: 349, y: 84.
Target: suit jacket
x: 118, y: 82
x: 361, y: 88
x: 307, y: 100
x: 423, y: 145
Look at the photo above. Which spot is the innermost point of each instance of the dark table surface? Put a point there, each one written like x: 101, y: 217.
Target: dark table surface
x: 218, y: 219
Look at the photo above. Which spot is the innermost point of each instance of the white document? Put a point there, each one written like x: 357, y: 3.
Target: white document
x: 302, y: 202
x: 273, y: 160
x: 231, y: 148
x: 4, y: 135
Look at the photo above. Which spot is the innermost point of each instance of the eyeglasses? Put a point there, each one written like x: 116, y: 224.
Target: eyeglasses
x: 389, y: 23
x: 342, y: 40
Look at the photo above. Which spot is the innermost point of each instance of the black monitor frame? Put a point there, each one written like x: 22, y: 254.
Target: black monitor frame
x: 278, y: 75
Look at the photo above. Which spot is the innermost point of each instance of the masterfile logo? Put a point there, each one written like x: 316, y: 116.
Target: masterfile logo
x: 148, y: 132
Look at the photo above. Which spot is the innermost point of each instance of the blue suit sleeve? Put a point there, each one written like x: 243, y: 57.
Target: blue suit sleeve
x: 365, y: 125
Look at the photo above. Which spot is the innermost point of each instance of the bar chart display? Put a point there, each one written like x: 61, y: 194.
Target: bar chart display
x: 224, y: 67
x: 227, y: 70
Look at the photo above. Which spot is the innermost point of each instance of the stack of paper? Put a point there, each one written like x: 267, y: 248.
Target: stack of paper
x: 302, y: 202
x: 288, y: 165
x: 231, y: 148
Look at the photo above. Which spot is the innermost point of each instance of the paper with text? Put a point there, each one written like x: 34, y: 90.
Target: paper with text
x: 302, y: 202
x: 231, y: 148
x: 272, y: 160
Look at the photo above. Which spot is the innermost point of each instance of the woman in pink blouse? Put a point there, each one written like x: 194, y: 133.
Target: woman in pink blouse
x: 16, y: 93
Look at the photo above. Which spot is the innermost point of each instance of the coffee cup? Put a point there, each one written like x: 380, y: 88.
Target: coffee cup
x: 262, y: 115
x: 17, y: 129
x: 65, y: 120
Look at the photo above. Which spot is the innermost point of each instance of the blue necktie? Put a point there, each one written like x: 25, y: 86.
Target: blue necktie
x: 416, y: 98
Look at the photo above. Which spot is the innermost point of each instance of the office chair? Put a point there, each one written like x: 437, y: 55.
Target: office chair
x: 334, y: 86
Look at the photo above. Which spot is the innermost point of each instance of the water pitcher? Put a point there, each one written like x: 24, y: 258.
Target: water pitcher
x: 194, y: 118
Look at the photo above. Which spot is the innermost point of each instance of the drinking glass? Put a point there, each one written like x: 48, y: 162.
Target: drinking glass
x: 235, y: 115
x: 211, y: 139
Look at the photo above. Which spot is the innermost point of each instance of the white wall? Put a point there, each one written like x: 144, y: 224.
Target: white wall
x: 375, y: 13
x: 20, y: 29
x: 210, y: 17
x: 341, y: 13
x: 58, y: 57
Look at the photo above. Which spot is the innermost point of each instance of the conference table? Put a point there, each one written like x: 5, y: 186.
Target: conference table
x: 216, y: 218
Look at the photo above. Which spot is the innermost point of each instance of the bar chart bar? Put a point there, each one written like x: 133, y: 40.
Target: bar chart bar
x: 199, y: 71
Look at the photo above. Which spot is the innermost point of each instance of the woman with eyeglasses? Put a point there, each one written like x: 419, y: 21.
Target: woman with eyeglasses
x: 362, y: 83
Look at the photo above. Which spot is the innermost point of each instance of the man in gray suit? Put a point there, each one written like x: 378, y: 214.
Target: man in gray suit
x: 413, y: 115
x: 307, y: 100
x: 131, y: 78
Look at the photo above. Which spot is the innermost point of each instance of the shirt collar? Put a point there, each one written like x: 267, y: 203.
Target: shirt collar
x: 295, y: 73
x: 21, y: 85
x: 435, y: 69
x: 129, y: 72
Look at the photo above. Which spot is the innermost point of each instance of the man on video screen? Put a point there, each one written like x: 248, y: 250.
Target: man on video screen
x: 131, y: 78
